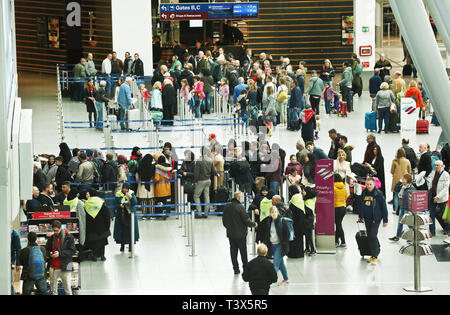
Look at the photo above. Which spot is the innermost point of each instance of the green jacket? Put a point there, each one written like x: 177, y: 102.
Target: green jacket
x: 79, y: 71
x: 315, y: 86
x: 347, y: 77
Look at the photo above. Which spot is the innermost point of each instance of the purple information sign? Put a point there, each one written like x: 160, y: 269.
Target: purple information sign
x: 325, y: 198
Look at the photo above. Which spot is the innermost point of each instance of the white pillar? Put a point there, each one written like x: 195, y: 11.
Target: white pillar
x: 132, y: 30
x: 414, y: 24
x: 379, y: 24
x: 364, y: 29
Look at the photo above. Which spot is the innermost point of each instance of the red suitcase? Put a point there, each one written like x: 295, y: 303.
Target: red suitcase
x: 422, y: 126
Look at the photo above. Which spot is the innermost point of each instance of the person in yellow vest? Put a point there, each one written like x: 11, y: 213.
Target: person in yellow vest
x: 309, y: 197
x: 264, y: 206
x: 126, y: 204
x: 297, y: 208
x: 98, y: 221
x: 77, y: 205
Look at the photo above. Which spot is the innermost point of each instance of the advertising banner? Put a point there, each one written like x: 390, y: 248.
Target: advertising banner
x: 51, y: 215
x: 408, y: 118
x: 364, y: 32
x: 325, y: 207
x: 417, y: 200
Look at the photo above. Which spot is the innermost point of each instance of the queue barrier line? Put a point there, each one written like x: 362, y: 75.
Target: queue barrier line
x: 163, y: 120
x: 122, y: 182
x: 148, y: 131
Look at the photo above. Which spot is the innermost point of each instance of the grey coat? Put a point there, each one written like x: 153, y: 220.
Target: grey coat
x: 384, y: 98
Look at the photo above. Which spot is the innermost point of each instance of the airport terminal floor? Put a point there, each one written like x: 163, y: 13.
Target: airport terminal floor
x: 162, y: 264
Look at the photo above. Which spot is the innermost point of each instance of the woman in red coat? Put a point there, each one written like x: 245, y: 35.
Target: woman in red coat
x: 414, y: 93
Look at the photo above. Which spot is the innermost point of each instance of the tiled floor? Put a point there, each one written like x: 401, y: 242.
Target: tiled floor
x: 162, y: 264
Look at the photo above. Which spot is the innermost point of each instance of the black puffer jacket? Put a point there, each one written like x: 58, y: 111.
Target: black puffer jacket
x: 263, y: 234
x: 260, y: 273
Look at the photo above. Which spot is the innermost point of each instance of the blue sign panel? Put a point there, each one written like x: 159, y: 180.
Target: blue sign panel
x: 208, y: 11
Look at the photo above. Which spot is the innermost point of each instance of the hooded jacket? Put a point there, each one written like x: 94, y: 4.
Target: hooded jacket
x: 340, y: 195
x: 374, y: 207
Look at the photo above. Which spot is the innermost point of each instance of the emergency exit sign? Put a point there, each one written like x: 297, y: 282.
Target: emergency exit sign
x: 365, y: 29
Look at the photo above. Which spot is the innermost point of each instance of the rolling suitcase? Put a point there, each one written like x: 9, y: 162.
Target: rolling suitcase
x: 363, y: 242
x: 370, y: 122
x: 422, y: 126
x: 342, y: 109
x: 113, y: 122
x: 394, y: 122
x: 133, y: 114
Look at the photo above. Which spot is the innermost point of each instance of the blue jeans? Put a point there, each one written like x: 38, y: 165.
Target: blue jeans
x: 396, y: 206
x: 99, y: 107
x: 383, y: 114
x: 274, y: 187
x: 207, y: 102
x: 292, y: 114
x: 400, y: 226
x: 278, y: 261
x: 41, y: 286
x: 198, y: 106
x: 327, y: 106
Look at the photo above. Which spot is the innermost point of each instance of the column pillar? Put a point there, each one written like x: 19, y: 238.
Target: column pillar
x: 379, y: 24
x: 132, y: 30
x: 414, y: 24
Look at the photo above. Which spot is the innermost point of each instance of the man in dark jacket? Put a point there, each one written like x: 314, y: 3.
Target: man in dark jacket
x: 62, y: 174
x: 39, y: 178
x: 295, y: 105
x: 335, y: 146
x: 318, y: 152
x: 109, y: 172
x: 425, y: 159
x: 410, y: 154
x: 260, y: 273
x: 373, y: 210
x: 46, y: 196
x: 23, y: 261
x: 60, y: 247
x: 241, y: 172
x: 445, y: 152
x: 236, y: 221
x: 137, y: 67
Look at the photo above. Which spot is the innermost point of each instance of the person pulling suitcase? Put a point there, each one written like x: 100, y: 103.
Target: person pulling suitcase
x: 373, y: 210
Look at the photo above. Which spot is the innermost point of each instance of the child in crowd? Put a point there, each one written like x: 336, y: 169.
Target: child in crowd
x: 316, y: 131
x: 407, y: 185
x: 328, y: 97
x: 224, y: 90
x: 294, y: 178
x: 425, y: 97
x: 186, y: 96
x: 156, y: 99
x: 143, y: 92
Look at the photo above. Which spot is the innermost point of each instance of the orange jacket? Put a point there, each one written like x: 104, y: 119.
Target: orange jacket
x: 413, y: 91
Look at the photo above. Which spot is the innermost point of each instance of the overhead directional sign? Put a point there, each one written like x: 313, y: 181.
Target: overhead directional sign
x: 208, y: 11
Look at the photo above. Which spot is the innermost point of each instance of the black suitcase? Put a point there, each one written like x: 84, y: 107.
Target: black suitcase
x: 359, y: 169
x: 407, y: 70
x: 363, y: 242
x: 394, y: 122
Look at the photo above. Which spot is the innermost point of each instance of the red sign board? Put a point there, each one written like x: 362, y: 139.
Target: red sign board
x: 51, y: 215
x: 417, y: 200
x: 170, y: 16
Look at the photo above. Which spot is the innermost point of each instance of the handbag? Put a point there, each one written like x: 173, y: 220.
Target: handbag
x: 189, y: 187
x: 282, y: 96
x: 156, y: 115
x: 393, y: 108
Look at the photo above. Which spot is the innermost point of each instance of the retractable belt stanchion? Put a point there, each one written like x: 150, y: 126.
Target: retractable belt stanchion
x: 192, y: 232
x: 132, y: 236
x: 179, y: 198
x: 253, y: 235
x: 286, y: 190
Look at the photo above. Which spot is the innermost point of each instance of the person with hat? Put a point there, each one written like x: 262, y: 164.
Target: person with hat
x: 98, y: 221
x: 214, y: 143
x: 126, y: 204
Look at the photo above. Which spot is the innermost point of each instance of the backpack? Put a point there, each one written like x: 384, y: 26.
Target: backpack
x: 133, y: 166
x: 96, y: 173
x: 282, y: 96
x: 290, y: 225
x: 435, y: 156
x: 358, y: 69
x: 36, y: 263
